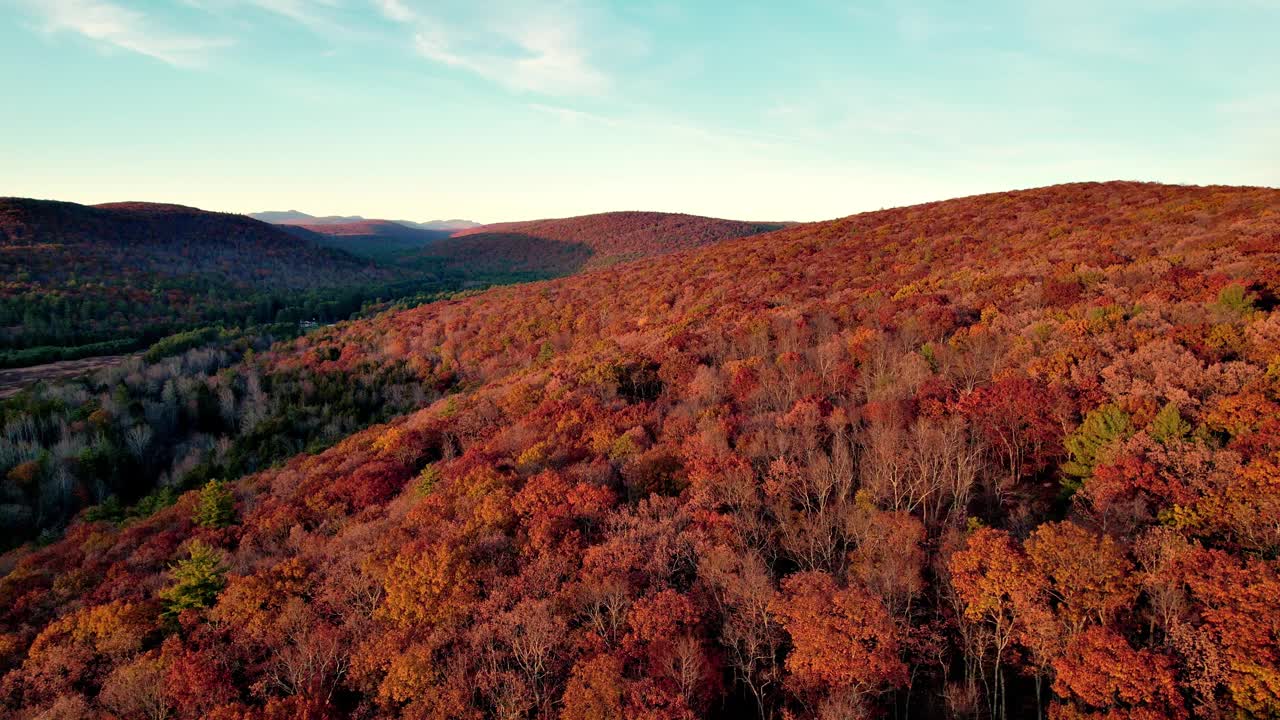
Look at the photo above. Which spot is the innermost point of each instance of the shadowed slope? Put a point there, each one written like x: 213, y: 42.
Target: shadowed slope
x: 75, y: 276
x: 60, y: 239
x: 589, y: 242
x: 377, y: 239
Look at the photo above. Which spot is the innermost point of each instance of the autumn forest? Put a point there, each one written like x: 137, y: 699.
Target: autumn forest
x: 1006, y: 456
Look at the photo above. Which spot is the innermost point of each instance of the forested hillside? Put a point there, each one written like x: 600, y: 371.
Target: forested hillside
x: 375, y: 239
x: 81, y: 281
x: 1014, y: 455
x: 196, y: 406
x: 551, y: 248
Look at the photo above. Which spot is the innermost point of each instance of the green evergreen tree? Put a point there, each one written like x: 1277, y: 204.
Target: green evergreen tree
x: 216, y: 506
x: 1168, y: 425
x: 426, y: 481
x: 1101, y: 427
x: 1236, y: 299
x: 546, y: 353
x: 197, y: 580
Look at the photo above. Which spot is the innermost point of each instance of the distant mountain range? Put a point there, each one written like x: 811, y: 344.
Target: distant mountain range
x: 294, y: 217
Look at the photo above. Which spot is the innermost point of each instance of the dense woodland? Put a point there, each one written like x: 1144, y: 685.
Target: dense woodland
x: 80, y: 281
x: 1015, y: 455
x: 196, y: 406
x: 553, y: 248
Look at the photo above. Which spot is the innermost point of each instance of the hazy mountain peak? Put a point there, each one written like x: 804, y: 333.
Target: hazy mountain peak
x: 296, y: 217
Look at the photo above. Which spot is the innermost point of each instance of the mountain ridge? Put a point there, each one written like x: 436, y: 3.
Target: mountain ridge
x: 295, y: 217
x: 561, y: 246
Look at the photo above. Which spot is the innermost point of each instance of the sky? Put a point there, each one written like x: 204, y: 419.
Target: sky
x: 496, y: 110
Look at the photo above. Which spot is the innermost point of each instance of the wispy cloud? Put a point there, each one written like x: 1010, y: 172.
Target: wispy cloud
x: 638, y: 124
x: 396, y: 10
x: 547, y: 61
x: 124, y: 28
x: 525, y: 46
x: 322, y: 17
x: 310, y: 13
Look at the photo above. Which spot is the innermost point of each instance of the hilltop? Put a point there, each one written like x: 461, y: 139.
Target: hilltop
x: 506, y: 252
x: 560, y: 247
x: 27, y: 221
x: 982, y: 456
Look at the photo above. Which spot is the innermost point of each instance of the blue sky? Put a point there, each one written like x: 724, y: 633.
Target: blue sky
x: 510, y: 109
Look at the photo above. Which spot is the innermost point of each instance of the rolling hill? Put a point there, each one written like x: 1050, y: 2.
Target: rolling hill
x: 539, y: 249
x: 85, y: 281
x: 133, y: 224
x: 550, y: 248
x: 981, y: 457
x: 376, y: 239
x: 78, y: 275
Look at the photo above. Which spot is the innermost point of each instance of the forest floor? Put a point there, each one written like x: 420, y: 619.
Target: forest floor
x: 13, y: 380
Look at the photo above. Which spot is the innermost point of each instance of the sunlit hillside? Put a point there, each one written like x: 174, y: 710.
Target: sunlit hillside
x: 997, y: 453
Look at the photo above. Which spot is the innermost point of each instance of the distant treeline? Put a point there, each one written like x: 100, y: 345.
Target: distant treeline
x: 52, y: 353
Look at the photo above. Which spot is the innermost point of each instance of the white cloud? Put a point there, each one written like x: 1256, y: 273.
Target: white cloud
x: 545, y: 63
x: 396, y: 10
x: 525, y: 46
x: 124, y: 28
x: 535, y: 46
x: 322, y: 17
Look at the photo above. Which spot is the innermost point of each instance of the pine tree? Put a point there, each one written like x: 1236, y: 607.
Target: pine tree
x: 1101, y: 427
x: 1168, y: 425
x: 216, y: 506
x: 197, y: 580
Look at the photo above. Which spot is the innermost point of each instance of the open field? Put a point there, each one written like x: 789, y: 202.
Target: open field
x: 14, y: 379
